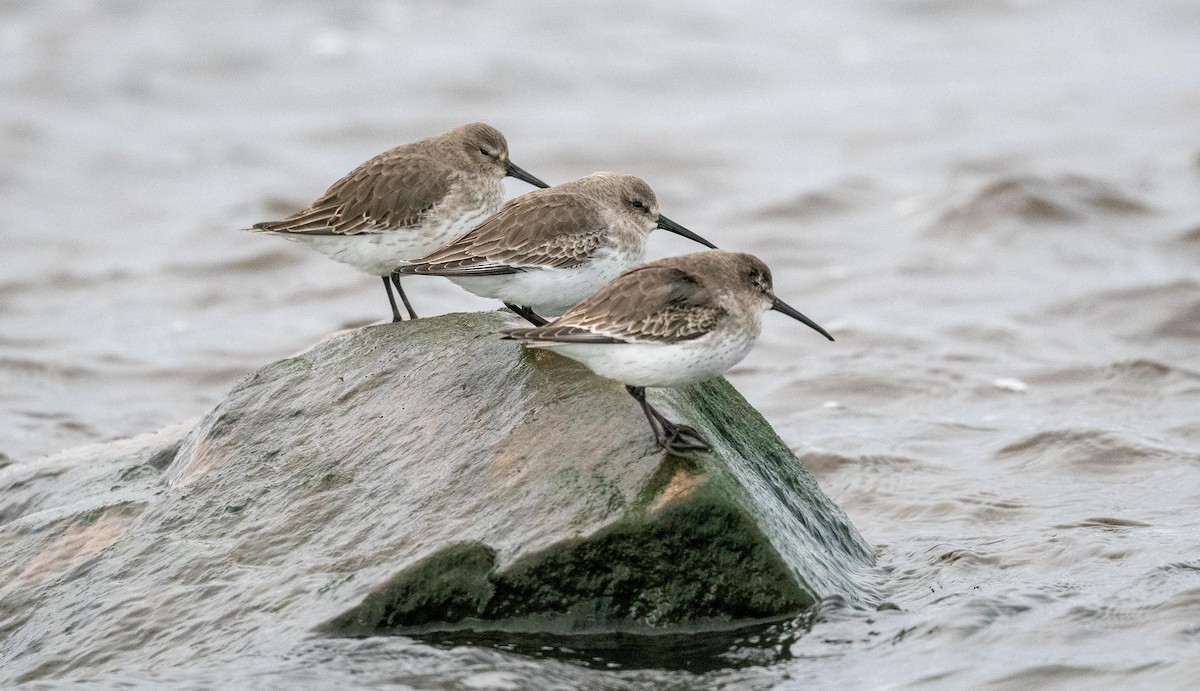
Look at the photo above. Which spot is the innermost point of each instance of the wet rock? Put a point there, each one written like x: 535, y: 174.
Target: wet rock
x: 407, y: 478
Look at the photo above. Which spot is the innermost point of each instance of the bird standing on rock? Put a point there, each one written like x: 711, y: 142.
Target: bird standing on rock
x: 667, y: 323
x: 406, y: 202
x: 549, y: 249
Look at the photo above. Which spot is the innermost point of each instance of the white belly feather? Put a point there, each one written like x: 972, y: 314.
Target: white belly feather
x: 380, y: 252
x: 662, y: 364
x: 550, y: 292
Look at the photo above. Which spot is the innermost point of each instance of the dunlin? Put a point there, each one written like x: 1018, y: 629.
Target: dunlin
x: 550, y: 249
x: 670, y: 322
x: 406, y: 202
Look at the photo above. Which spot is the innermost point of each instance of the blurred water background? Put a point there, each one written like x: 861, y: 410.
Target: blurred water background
x: 993, y: 204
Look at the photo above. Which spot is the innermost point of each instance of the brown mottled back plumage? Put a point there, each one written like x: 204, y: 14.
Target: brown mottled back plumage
x: 400, y: 187
x: 666, y: 301
x: 559, y: 227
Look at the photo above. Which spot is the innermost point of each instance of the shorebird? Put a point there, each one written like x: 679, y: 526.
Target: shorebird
x: 406, y: 202
x: 667, y: 323
x: 549, y: 249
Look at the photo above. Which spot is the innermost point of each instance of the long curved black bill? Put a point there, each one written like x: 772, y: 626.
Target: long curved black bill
x: 673, y: 227
x: 515, y: 171
x: 781, y: 306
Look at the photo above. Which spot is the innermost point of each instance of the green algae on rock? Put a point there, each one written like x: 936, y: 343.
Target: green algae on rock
x: 693, y: 562
x: 409, y: 477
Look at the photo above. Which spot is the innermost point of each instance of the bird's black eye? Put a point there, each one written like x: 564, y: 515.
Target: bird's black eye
x: 638, y: 204
x: 484, y: 152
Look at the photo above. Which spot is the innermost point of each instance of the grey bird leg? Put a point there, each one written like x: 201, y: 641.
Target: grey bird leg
x: 674, y: 438
x: 407, y: 305
x: 391, y: 299
x: 526, y: 314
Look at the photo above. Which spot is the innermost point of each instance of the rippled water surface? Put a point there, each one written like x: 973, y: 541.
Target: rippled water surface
x: 993, y: 204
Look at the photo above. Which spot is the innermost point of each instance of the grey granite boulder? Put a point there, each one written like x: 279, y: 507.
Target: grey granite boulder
x: 405, y: 478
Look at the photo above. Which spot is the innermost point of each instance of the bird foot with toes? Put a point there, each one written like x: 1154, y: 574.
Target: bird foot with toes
x: 679, y: 439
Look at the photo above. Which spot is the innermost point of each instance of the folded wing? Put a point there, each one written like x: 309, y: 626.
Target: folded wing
x: 551, y: 229
x: 647, y: 304
x: 393, y: 190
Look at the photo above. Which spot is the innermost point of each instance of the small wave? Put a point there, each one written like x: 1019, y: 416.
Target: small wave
x: 1145, y: 370
x: 1060, y: 675
x: 1165, y: 592
x: 10, y: 341
x: 1103, y: 522
x: 1141, y: 375
x: 991, y: 501
x: 882, y: 388
x: 254, y: 263
x: 1190, y: 238
x: 943, y: 8
x: 1091, y: 450
x: 37, y: 367
x: 1170, y: 578
x: 1138, y: 296
x: 61, y: 420
x: 1182, y: 323
x: 967, y: 556
x: 823, y: 463
x: 52, y: 282
x: 982, y: 508
x: 1111, y: 615
x: 1165, y: 310
x: 841, y: 197
x: 1034, y: 201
